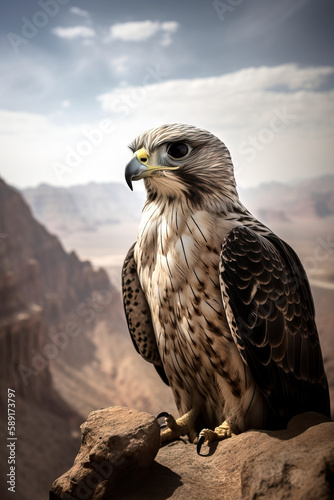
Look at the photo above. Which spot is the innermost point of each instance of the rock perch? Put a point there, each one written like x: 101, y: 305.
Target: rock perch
x: 116, y: 443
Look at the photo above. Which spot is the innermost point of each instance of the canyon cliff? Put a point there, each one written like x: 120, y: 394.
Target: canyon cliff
x: 40, y: 284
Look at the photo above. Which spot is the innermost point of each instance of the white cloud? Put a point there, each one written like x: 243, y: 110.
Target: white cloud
x: 134, y: 31
x: 79, y: 12
x: 72, y: 32
x: 292, y: 130
x: 28, y: 142
x: 65, y: 104
x: 170, y: 26
x: 33, y: 144
x: 247, y: 93
x: 138, y: 31
x: 275, y: 121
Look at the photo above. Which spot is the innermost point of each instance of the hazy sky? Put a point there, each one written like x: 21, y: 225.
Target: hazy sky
x: 80, y: 79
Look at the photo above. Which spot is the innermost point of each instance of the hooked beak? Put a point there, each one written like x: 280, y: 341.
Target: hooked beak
x: 134, y: 170
x: 138, y: 167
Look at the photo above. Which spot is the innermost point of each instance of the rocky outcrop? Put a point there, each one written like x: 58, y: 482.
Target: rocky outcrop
x: 117, y: 445
x: 294, y: 463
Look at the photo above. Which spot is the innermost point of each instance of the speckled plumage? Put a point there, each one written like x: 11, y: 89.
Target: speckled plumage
x: 218, y: 303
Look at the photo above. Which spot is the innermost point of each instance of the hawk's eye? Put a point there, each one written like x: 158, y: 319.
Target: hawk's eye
x: 177, y: 150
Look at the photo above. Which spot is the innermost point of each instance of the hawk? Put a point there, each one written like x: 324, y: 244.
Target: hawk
x: 218, y: 303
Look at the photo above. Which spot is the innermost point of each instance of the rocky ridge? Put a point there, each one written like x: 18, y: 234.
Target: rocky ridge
x: 116, y: 461
x: 86, y: 207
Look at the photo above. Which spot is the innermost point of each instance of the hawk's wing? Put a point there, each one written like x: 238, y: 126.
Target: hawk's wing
x: 138, y: 315
x: 270, y: 312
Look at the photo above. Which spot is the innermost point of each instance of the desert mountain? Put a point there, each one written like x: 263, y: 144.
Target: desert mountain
x: 89, y: 206
x: 82, y: 208
x: 312, y: 198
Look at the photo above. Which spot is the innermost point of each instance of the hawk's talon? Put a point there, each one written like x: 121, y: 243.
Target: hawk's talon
x: 180, y: 427
x: 221, y: 432
x: 165, y: 415
x: 162, y: 414
x: 200, y: 441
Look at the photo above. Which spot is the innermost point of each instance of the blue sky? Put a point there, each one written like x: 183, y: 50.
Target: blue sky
x: 80, y: 79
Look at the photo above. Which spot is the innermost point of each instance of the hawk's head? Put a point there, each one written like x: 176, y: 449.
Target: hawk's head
x: 182, y: 160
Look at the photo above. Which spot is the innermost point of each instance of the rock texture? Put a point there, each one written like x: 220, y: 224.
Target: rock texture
x: 295, y: 463
x: 34, y: 261
x: 116, y: 444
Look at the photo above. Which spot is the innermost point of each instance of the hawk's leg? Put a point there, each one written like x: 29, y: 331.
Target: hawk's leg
x: 179, y: 427
x: 221, y: 432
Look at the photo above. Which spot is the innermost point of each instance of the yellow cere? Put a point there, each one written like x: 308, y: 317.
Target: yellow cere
x: 142, y: 156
